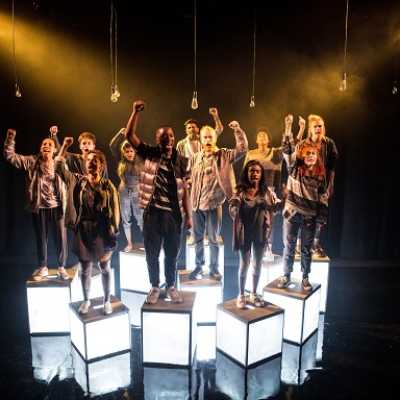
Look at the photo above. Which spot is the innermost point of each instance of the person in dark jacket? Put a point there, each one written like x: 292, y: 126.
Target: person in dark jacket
x: 93, y: 214
x: 251, y: 209
x: 46, y: 195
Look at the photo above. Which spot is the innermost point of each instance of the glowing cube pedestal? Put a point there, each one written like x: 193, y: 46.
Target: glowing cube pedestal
x: 301, y: 309
x: 96, y: 335
x: 168, y: 383
x: 134, y: 301
x: 319, y: 274
x: 169, y: 331
x: 96, y: 287
x: 133, y: 272
x: 102, y: 376
x: 296, y: 360
x: 209, y: 293
x: 51, y: 356
x: 250, y: 335
x: 191, y: 257
x: 258, y: 382
x: 48, y: 303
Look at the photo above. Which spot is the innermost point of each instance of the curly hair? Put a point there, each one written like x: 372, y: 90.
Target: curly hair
x: 244, y: 183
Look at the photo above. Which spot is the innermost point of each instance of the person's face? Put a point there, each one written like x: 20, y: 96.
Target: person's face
x: 317, y: 127
x: 47, y: 148
x: 129, y: 153
x: 262, y: 139
x: 165, y: 138
x: 86, y: 145
x: 254, y: 174
x: 208, y: 139
x: 192, y: 131
x: 310, y: 156
x: 93, y: 164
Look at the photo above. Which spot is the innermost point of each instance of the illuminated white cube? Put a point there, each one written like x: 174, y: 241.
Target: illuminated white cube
x: 301, y: 309
x: 169, y: 331
x: 51, y: 356
x: 297, y: 359
x: 102, y: 376
x: 96, y: 286
x: 270, y: 270
x: 96, y: 335
x: 206, y: 342
x: 319, y: 274
x: 133, y: 271
x: 168, y: 383
x: 209, y: 293
x: 250, y: 335
x: 320, y: 341
x: 259, y: 382
x: 191, y: 257
x: 48, y: 303
x: 134, y: 301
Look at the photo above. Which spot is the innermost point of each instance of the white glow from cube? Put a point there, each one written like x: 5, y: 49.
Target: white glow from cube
x: 293, y: 319
x: 191, y: 258
x: 320, y: 337
x: 231, y: 336
x: 134, y: 301
x: 103, y: 376
x: 206, y: 342
x: 48, y: 309
x: 166, y: 338
x: 77, y: 333
x: 311, y: 314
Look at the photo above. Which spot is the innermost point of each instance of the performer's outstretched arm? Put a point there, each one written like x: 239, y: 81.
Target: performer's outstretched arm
x: 217, y: 120
x: 130, y: 130
x: 17, y: 160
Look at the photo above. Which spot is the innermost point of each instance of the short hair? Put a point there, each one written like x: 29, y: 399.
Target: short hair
x: 49, y: 138
x: 263, y: 129
x: 191, y: 121
x: 100, y: 155
x: 313, y: 118
x: 87, y: 135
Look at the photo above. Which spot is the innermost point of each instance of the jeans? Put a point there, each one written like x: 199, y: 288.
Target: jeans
x: 43, y: 220
x: 307, y: 226
x: 129, y: 210
x: 161, y: 227
x: 207, y: 222
x: 245, y: 256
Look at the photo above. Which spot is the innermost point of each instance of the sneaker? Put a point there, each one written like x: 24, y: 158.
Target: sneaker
x: 318, y: 251
x: 283, y: 282
x: 241, y: 302
x: 128, y: 248
x: 197, y: 273
x: 220, y: 240
x: 62, y: 274
x: 256, y: 300
x: 215, y: 275
x: 153, y: 295
x: 174, y: 295
x: 190, y: 240
x: 107, y: 308
x: 84, y: 307
x: 306, y: 284
x: 40, y: 273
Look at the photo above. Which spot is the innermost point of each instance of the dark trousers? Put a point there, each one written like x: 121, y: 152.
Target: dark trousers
x: 44, y: 220
x: 245, y: 257
x: 161, y: 228
x: 209, y: 222
x: 291, y: 228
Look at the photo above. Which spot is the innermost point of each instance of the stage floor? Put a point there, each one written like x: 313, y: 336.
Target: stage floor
x: 359, y: 358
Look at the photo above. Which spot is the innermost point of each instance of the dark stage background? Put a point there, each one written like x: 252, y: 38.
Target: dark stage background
x: 63, y: 64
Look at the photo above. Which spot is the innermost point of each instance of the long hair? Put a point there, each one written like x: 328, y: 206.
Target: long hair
x: 316, y: 118
x: 244, y: 183
x: 123, y: 161
x: 318, y: 170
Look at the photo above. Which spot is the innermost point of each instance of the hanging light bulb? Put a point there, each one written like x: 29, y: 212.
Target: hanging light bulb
x: 395, y: 88
x: 115, y: 94
x: 343, y: 83
x: 18, y: 92
x: 194, y: 105
x: 252, y: 102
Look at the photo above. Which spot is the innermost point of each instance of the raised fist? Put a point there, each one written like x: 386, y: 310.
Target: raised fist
x: 68, y: 141
x: 234, y: 125
x: 302, y: 122
x: 53, y: 130
x: 11, y: 133
x: 138, y: 105
x: 213, y: 111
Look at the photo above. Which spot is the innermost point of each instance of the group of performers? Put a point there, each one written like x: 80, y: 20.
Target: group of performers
x: 169, y: 190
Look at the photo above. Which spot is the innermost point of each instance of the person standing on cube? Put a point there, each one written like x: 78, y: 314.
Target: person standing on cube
x: 213, y: 180
x: 306, y: 203
x: 164, y: 198
x: 251, y: 209
x: 129, y: 166
x: 46, y: 194
x: 93, y: 214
